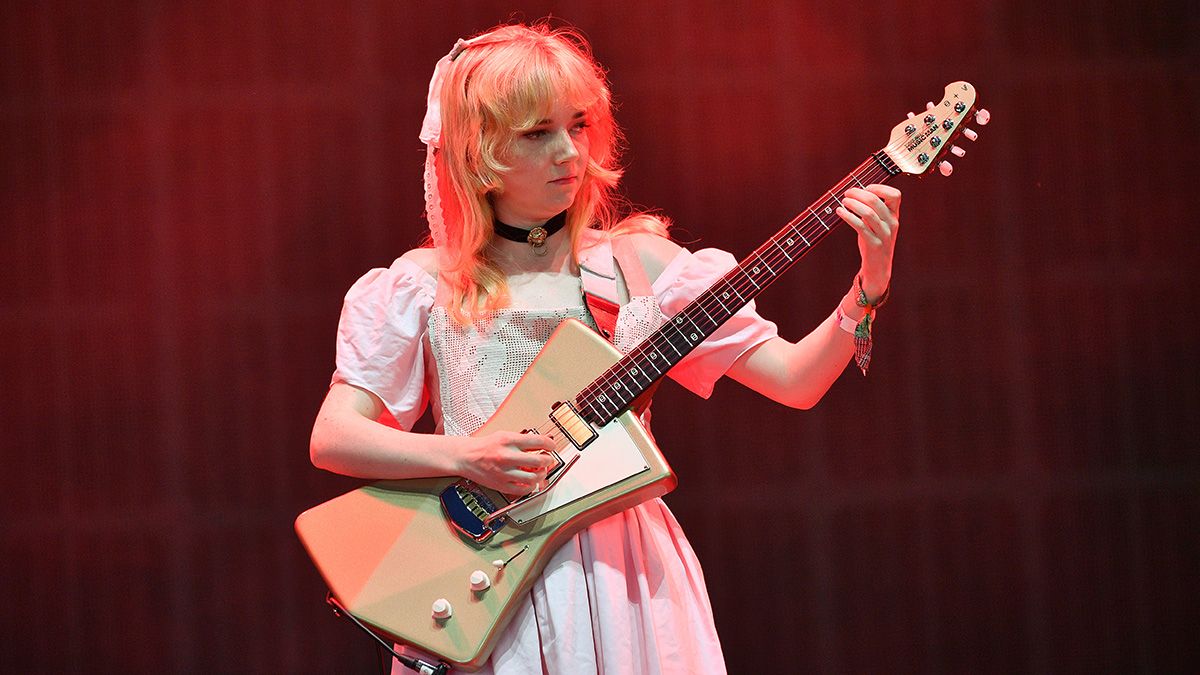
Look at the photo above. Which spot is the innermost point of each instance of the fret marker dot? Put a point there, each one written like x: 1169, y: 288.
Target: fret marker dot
x: 790, y: 242
x: 653, y: 355
x: 725, y: 295
x: 603, y: 397
x: 693, y: 336
x: 634, y: 371
x: 828, y: 210
x: 755, y: 270
x: 679, y: 319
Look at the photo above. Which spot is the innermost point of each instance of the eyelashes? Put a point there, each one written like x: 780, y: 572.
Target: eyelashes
x: 537, y: 134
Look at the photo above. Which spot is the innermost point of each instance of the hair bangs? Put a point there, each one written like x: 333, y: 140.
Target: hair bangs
x: 538, y: 78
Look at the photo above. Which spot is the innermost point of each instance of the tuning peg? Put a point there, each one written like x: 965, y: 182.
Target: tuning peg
x: 957, y: 151
x: 970, y: 134
x: 945, y: 168
x: 910, y: 116
x: 982, y: 117
x: 929, y: 105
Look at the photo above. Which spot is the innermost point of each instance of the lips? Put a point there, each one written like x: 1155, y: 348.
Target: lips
x: 565, y: 180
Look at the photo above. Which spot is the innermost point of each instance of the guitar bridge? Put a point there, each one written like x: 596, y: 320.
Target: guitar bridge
x: 470, y: 510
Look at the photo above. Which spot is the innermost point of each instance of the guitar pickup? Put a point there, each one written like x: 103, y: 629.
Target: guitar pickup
x: 571, y: 423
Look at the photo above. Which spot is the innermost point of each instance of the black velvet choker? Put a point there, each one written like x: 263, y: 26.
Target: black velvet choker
x: 535, y: 237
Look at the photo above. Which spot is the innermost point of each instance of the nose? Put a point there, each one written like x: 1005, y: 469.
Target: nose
x: 565, y: 150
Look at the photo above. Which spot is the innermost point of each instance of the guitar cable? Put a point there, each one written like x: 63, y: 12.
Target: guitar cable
x: 420, y: 665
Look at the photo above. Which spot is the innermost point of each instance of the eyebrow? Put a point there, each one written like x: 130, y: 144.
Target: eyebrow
x: 548, y: 120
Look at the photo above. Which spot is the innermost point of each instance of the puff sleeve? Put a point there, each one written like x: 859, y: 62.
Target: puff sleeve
x: 687, y: 276
x: 380, y: 337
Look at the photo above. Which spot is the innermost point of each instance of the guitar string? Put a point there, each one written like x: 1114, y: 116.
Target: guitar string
x: 739, y: 283
x: 741, y: 286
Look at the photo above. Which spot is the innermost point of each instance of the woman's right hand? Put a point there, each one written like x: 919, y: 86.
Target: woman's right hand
x: 506, y: 461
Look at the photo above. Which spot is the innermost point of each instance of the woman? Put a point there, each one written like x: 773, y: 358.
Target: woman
x: 520, y: 179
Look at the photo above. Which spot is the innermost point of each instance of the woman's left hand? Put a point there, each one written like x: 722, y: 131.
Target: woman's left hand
x: 875, y: 213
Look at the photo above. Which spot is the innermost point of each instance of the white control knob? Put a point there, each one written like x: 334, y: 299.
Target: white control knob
x: 945, y: 168
x: 442, y: 609
x: 480, y: 581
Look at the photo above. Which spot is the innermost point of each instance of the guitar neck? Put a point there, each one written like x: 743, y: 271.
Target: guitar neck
x: 614, y: 391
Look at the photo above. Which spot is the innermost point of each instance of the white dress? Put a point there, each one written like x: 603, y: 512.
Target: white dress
x: 625, y: 595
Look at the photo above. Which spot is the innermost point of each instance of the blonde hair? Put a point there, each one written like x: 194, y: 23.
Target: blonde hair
x: 504, y: 82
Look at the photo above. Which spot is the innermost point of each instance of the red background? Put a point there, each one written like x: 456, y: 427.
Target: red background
x: 187, y: 190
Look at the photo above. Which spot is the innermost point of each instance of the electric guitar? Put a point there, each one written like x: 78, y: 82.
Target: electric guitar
x: 438, y: 564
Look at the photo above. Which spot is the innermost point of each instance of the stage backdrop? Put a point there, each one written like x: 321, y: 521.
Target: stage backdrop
x: 188, y: 189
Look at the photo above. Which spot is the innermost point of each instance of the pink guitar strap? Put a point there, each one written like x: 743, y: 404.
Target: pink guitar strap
x: 601, y: 269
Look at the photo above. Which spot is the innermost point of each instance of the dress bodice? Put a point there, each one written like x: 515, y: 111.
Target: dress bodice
x: 477, y: 364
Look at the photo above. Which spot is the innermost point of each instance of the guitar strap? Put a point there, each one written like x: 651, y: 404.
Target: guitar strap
x: 602, y: 269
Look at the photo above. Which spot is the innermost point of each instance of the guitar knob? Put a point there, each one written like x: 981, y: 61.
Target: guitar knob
x: 442, y: 609
x: 480, y: 581
x: 982, y: 117
x: 945, y: 168
x: 970, y: 134
x: 957, y: 151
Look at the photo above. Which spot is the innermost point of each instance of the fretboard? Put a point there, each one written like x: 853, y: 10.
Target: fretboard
x: 614, y: 391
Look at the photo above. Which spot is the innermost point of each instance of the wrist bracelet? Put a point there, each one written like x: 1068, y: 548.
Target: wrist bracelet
x: 844, y: 322
x: 861, y: 295
x: 862, y: 330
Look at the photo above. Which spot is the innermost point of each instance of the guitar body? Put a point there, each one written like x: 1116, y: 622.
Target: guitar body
x: 388, y: 551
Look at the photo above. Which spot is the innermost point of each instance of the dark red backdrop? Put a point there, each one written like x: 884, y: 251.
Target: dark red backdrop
x: 188, y: 189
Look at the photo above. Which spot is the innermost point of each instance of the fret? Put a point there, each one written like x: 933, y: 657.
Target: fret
x: 819, y: 216
x: 763, y: 263
x: 858, y: 181
x: 714, y: 321
x: 781, y: 248
x: 600, y: 400
x: 717, y: 296
x: 673, y: 347
x: 657, y: 370
x: 681, y: 317
x: 635, y: 372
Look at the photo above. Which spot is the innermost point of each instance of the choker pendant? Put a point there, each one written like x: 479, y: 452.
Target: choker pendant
x: 536, y: 237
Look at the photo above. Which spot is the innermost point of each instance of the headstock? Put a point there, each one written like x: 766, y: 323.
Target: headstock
x: 922, y: 140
